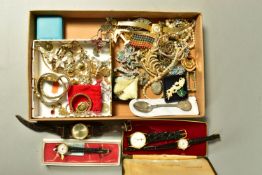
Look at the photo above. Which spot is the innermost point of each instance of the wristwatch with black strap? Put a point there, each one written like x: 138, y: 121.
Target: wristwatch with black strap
x: 139, y: 139
x: 182, y: 144
x: 68, y: 130
x: 64, y: 149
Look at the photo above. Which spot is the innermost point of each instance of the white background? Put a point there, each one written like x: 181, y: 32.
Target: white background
x: 232, y: 38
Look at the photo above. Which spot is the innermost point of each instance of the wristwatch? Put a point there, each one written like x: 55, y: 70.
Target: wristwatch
x: 138, y: 139
x: 68, y: 130
x: 182, y: 144
x: 80, y: 131
x: 63, y: 149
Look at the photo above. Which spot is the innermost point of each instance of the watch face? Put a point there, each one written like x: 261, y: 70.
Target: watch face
x: 62, y: 149
x: 80, y: 131
x: 183, y: 144
x: 138, y: 140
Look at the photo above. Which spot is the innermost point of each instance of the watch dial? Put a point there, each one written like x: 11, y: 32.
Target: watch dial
x: 182, y: 144
x: 138, y: 140
x: 80, y: 131
x: 62, y: 149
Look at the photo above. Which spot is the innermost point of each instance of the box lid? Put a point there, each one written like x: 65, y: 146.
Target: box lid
x: 164, y: 165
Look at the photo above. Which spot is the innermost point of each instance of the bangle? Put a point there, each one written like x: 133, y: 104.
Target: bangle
x: 82, y: 106
x: 46, y: 99
x: 53, y: 78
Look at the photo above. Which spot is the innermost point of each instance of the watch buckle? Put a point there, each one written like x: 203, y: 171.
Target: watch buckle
x: 184, y: 134
x: 127, y: 126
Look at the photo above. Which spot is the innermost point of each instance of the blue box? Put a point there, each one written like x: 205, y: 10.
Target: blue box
x: 49, y: 27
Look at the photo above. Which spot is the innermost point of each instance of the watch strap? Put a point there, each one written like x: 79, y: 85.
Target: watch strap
x: 165, y: 136
x: 155, y: 148
x: 203, y: 139
x: 39, y: 127
x: 64, y: 130
x: 97, y: 129
x: 88, y: 150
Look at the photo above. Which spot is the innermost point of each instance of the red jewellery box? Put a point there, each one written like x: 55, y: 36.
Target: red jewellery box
x: 193, y: 130
x: 111, y: 156
x: 191, y: 161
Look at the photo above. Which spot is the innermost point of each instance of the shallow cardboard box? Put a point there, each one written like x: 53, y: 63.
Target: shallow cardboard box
x: 84, y: 25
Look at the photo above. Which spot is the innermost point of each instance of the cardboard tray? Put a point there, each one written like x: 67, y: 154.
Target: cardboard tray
x: 84, y: 25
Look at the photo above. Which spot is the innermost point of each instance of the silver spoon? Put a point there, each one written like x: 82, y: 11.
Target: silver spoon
x: 145, y: 107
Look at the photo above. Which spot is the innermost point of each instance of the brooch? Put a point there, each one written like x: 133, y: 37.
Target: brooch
x: 126, y: 88
x: 142, y: 41
x: 189, y: 64
x: 175, y: 88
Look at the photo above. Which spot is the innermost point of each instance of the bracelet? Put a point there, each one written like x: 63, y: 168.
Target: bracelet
x: 81, y: 106
x: 46, y: 99
x: 53, y: 78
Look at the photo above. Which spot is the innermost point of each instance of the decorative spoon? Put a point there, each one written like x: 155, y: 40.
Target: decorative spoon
x: 145, y: 107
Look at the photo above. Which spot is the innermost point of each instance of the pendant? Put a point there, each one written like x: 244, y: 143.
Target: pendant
x: 156, y: 87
